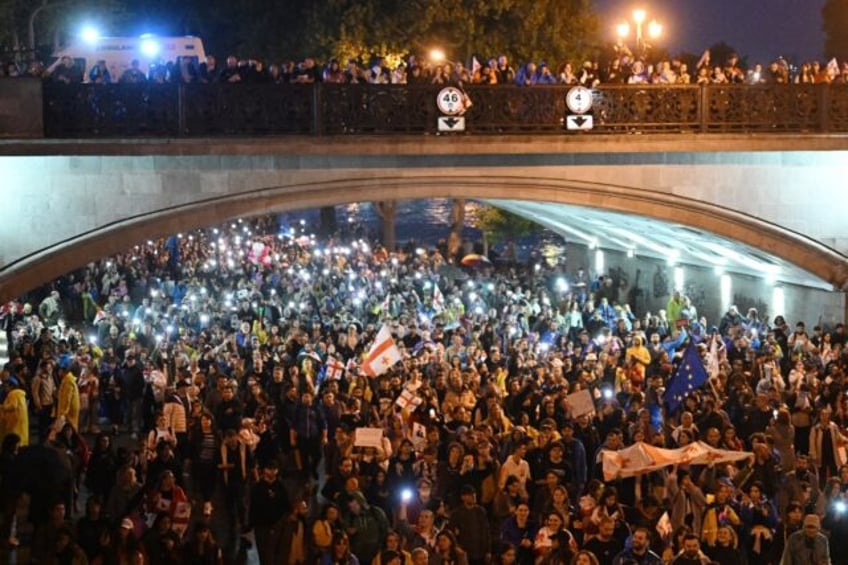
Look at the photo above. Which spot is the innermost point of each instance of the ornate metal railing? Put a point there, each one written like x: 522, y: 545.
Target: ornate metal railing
x: 81, y: 111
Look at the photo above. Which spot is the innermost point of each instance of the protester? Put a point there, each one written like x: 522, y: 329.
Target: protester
x: 396, y: 391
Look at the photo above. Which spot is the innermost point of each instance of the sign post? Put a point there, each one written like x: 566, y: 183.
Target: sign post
x: 452, y: 102
x: 579, y: 102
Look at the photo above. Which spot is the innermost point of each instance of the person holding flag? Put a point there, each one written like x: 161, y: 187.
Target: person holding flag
x: 382, y: 355
x: 689, y: 375
x: 438, y: 299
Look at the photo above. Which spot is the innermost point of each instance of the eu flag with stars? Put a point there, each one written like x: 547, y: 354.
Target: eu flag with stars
x: 690, y: 374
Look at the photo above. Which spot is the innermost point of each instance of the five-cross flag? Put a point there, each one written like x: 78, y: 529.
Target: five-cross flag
x: 382, y: 355
x: 690, y: 374
x: 408, y: 399
x: 334, y: 369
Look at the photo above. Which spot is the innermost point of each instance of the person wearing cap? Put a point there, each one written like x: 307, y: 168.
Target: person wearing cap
x: 808, y: 546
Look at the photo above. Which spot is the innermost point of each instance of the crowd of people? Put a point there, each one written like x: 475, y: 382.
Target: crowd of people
x: 621, y: 67
x: 331, y: 401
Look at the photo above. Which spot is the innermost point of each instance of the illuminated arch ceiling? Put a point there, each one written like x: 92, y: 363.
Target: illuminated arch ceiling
x: 648, y: 237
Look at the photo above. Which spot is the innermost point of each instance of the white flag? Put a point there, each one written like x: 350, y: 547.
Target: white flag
x: 382, y: 355
x: 712, y: 358
x: 438, y: 299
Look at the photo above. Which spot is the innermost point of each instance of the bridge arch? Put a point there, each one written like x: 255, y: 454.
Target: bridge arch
x: 48, y: 263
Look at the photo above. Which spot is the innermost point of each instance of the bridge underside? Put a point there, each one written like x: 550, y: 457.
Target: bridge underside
x: 698, y: 231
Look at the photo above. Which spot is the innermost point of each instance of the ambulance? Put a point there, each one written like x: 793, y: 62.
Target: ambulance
x: 119, y: 52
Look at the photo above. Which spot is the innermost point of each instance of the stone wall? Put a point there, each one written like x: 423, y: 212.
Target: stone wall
x: 811, y: 306
x: 20, y: 108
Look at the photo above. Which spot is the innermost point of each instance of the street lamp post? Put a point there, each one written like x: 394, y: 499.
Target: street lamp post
x: 639, y: 16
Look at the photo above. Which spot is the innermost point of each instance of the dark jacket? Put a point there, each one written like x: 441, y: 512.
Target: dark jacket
x: 471, y: 526
x: 269, y: 503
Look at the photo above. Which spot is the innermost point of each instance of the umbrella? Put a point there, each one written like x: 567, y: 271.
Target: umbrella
x: 475, y: 260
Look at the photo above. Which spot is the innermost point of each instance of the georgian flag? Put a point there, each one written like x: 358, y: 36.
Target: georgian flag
x: 382, y: 355
x: 100, y: 316
x: 408, y: 399
x: 334, y: 369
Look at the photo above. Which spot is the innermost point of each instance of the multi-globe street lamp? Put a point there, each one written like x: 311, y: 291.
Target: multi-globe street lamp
x: 655, y: 30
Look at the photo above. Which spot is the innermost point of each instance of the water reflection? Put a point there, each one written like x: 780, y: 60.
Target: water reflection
x: 428, y: 222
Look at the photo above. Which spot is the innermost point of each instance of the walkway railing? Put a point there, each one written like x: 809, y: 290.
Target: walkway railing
x: 85, y: 111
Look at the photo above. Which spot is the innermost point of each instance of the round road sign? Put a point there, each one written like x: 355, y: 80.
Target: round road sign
x: 579, y: 99
x: 450, y: 101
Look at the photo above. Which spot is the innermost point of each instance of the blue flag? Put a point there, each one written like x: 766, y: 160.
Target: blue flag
x: 690, y: 374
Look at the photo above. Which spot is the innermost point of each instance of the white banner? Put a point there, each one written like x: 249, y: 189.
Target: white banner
x: 641, y: 458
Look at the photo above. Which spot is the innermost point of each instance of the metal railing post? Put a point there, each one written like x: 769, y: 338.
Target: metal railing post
x: 181, y: 111
x: 317, y: 109
x: 703, y: 107
x: 823, y: 100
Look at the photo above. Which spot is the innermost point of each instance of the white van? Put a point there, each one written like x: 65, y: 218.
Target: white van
x: 119, y: 52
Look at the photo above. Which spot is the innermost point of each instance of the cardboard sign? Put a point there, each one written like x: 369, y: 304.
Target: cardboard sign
x: 368, y: 437
x: 581, y: 403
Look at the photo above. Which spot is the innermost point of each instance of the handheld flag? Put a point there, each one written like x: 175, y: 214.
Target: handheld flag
x: 382, y: 355
x: 100, y: 316
x: 334, y: 369
x: 712, y: 359
x: 690, y: 374
x: 408, y: 399
x: 438, y: 299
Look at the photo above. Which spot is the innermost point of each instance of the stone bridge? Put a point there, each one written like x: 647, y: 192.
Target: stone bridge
x: 67, y: 202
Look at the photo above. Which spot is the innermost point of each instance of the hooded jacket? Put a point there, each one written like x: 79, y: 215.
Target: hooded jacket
x: 69, y: 400
x: 370, y: 528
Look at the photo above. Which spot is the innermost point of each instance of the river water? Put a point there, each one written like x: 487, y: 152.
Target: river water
x: 424, y: 221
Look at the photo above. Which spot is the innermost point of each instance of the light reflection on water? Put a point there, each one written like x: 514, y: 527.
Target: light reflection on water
x: 425, y: 221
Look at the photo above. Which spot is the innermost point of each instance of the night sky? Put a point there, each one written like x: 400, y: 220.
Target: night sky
x: 761, y: 29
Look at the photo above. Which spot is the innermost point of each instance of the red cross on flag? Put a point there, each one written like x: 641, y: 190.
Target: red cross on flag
x: 408, y: 398
x: 100, y: 316
x: 334, y: 369
x: 382, y: 355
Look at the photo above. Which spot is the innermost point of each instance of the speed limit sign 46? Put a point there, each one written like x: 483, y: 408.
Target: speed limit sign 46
x: 451, y: 101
